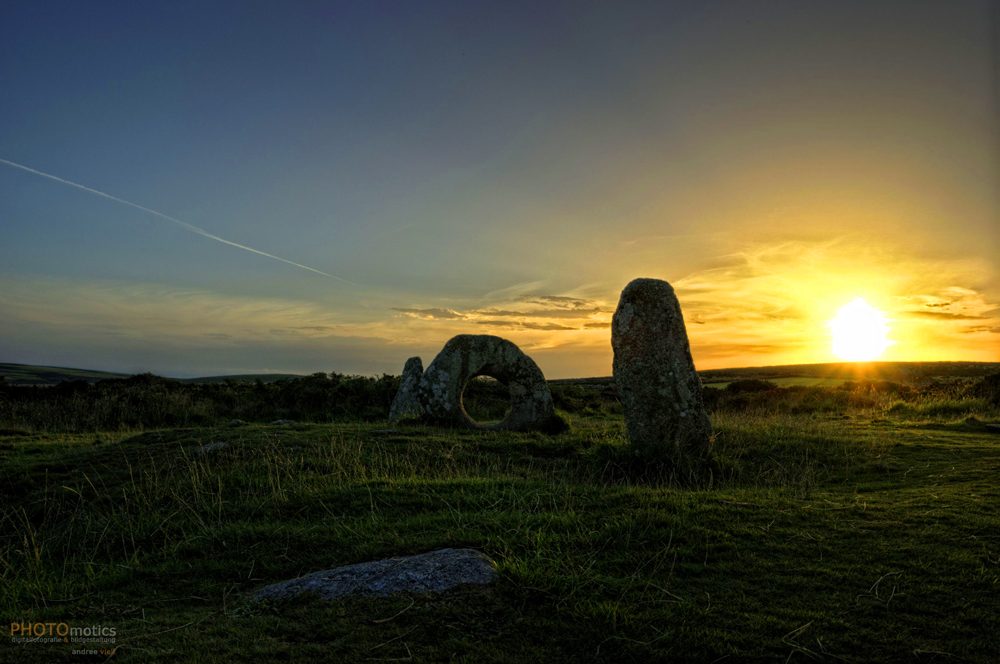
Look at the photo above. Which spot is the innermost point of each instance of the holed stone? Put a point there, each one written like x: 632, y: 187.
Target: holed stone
x: 469, y: 355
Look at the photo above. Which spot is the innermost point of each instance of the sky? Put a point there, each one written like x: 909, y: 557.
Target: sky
x: 300, y: 187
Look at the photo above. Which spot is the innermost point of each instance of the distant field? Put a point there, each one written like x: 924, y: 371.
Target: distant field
x: 792, y: 380
x: 829, y: 375
x: 27, y: 374
x: 900, y: 372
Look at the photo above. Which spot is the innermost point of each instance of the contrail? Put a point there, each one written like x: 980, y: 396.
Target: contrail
x: 182, y: 224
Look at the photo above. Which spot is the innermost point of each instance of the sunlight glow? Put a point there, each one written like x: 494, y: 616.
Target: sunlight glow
x: 859, y: 332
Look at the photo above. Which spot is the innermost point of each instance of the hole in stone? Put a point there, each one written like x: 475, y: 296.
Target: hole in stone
x: 486, y: 400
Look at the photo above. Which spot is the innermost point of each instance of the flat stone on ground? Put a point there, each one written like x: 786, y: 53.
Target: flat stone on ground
x: 211, y: 447
x: 432, y: 572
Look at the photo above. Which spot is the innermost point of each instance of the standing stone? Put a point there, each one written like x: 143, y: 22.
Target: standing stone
x: 659, y: 389
x: 407, y: 401
x: 469, y: 355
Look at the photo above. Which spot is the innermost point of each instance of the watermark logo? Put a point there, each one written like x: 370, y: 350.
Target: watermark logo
x: 51, y: 632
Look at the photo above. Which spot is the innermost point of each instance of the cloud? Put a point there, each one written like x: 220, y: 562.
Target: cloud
x: 177, y: 317
x: 944, y: 315
x: 558, y: 301
x: 538, y: 313
x: 549, y: 313
x: 596, y: 326
x: 430, y: 314
x: 954, y: 303
x: 525, y: 325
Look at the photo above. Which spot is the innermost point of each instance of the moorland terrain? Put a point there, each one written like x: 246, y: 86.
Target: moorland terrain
x: 853, y: 521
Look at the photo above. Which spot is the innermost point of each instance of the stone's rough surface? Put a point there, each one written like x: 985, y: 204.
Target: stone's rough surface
x: 436, y: 571
x: 211, y: 447
x: 407, y: 401
x: 469, y: 355
x: 660, y: 391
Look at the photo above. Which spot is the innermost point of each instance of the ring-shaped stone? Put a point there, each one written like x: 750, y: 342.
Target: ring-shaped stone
x: 469, y: 355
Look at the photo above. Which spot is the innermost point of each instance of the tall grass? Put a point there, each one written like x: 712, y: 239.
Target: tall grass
x: 154, y: 497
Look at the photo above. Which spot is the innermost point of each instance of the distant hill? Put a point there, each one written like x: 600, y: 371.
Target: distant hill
x: 27, y: 374
x: 264, y: 378
x: 833, y: 373
x: 790, y: 374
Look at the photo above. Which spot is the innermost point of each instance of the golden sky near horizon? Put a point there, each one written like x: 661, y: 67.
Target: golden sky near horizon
x: 770, y: 305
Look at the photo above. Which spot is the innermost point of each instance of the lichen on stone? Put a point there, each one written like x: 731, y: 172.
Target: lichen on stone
x: 469, y: 355
x: 407, y: 402
x: 657, y: 383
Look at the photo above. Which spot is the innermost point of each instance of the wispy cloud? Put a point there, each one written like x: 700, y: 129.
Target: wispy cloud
x: 943, y: 315
x: 552, y: 313
x: 430, y: 314
x: 184, y: 331
x: 980, y: 329
x: 561, y: 301
x: 538, y: 313
x: 179, y: 316
x: 524, y: 325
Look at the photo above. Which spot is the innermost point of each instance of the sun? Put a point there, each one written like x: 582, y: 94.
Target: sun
x: 859, y: 332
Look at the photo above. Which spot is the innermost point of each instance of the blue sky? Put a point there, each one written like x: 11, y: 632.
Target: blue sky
x: 466, y: 165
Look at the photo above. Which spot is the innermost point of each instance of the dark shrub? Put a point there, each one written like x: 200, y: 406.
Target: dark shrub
x: 576, y: 398
x: 750, y: 385
x: 711, y: 396
x: 988, y: 388
x: 148, y: 401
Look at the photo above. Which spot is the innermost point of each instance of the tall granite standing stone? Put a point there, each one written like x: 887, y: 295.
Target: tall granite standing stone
x: 407, y: 401
x: 659, y: 389
x: 469, y: 355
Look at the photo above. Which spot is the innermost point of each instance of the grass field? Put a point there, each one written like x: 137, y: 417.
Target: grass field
x: 902, y: 372
x: 811, y: 381
x: 866, y: 535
